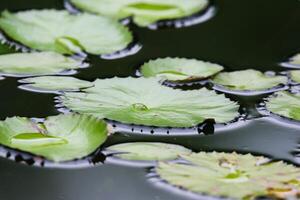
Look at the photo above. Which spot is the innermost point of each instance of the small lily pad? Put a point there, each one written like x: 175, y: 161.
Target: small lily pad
x: 233, y: 175
x: 295, y: 75
x: 144, y: 12
x: 33, y: 64
x: 60, y: 31
x: 285, y: 104
x: 148, y: 151
x: 295, y: 60
x: 59, y: 138
x: 180, y: 69
x: 247, y: 80
x: 144, y: 101
x: 54, y: 83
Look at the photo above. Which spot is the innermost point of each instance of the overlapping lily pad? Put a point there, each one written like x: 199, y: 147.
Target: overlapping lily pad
x: 144, y: 101
x: 39, y: 63
x: 233, y: 175
x: 59, y: 31
x: 248, y: 80
x: 180, y: 69
x: 148, y: 151
x: 285, y: 104
x: 59, y: 138
x: 144, y: 12
x: 54, y: 84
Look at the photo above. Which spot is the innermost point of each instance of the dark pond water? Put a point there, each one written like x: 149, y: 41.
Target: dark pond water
x: 243, y: 34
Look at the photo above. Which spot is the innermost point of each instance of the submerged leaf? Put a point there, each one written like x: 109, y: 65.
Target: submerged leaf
x: 144, y: 12
x: 295, y: 75
x: 144, y: 101
x: 59, y: 138
x: 148, y: 151
x: 26, y: 64
x: 59, y: 31
x: 233, y: 175
x: 248, y: 80
x: 180, y: 69
x: 55, y: 83
x: 285, y: 104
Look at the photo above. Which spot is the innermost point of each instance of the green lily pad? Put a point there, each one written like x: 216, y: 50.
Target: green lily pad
x: 285, y: 104
x: 59, y: 31
x: 180, y: 69
x: 148, y: 151
x: 295, y: 75
x: 233, y: 175
x: 59, y: 138
x: 32, y: 64
x: 144, y: 101
x: 248, y: 80
x: 144, y: 12
x: 55, y: 83
x: 295, y: 60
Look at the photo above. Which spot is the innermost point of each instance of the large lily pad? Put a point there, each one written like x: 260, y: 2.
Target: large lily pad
x: 59, y: 31
x: 285, y: 104
x: 55, y: 83
x: 59, y: 138
x: 29, y: 64
x: 144, y: 101
x: 148, y: 151
x: 180, y: 69
x: 233, y: 175
x: 144, y: 12
x: 248, y: 80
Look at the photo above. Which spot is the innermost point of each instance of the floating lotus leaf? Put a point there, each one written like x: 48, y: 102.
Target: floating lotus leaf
x: 59, y: 31
x: 144, y: 12
x: 233, y: 175
x: 148, y: 151
x: 248, y: 80
x: 295, y: 75
x: 31, y: 64
x: 144, y: 101
x: 295, y: 60
x: 59, y: 138
x: 180, y: 69
x: 285, y: 104
x: 55, y: 83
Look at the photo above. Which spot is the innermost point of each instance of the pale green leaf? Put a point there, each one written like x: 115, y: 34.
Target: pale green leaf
x: 144, y: 101
x: 55, y: 83
x: 180, y: 69
x: 285, y: 104
x: 59, y: 31
x: 148, y: 151
x: 295, y: 75
x: 233, y: 175
x: 144, y: 12
x: 295, y: 60
x: 248, y: 80
x: 59, y: 138
x: 31, y: 64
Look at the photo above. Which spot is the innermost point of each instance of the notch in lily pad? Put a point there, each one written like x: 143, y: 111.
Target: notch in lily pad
x: 62, y: 32
x: 58, y: 138
x: 144, y: 101
x: 180, y: 69
x: 54, y: 84
x: 37, y: 63
x: 285, y: 104
x: 249, y: 82
x: 232, y: 175
x: 144, y: 13
x: 147, y: 152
